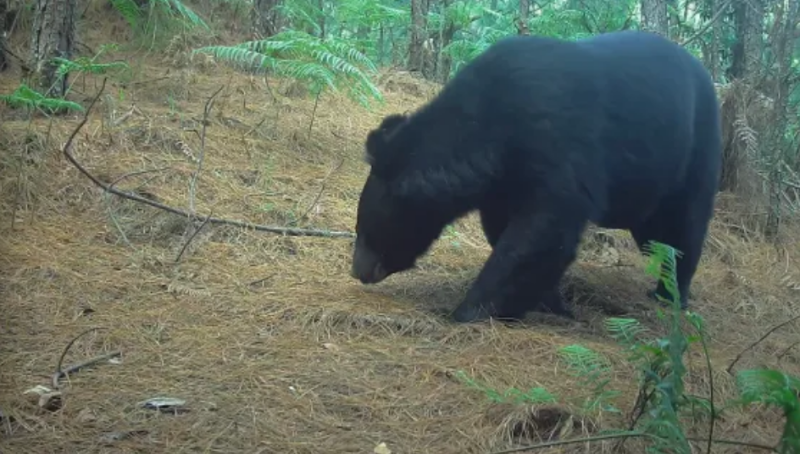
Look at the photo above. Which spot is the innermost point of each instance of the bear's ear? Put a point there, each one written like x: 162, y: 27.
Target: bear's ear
x: 377, y: 138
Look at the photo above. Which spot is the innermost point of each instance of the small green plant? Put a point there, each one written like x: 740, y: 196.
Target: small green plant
x: 28, y: 98
x: 533, y: 396
x: 593, y: 370
x: 86, y: 65
x: 172, y: 10
x: 662, y: 402
x: 451, y: 234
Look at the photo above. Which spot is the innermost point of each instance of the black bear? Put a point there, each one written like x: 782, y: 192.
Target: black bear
x: 542, y: 136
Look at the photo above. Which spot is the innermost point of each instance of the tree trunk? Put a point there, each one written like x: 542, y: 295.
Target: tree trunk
x: 747, y: 51
x: 265, y: 18
x: 713, y: 51
x: 417, y: 35
x: 53, y: 36
x: 522, y: 21
x: 3, y: 12
x: 654, y: 16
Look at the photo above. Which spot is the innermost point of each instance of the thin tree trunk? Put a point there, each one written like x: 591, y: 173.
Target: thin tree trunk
x: 53, y: 36
x: 522, y: 21
x: 265, y: 18
x: 3, y: 12
x: 417, y: 35
x: 654, y: 16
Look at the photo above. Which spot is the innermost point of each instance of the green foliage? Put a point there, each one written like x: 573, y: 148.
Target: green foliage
x: 775, y: 388
x: 26, y: 97
x: 533, y: 396
x: 593, y: 372
x: 160, y: 15
x: 662, y: 403
x: 328, y: 63
x: 85, y: 65
x: 451, y: 233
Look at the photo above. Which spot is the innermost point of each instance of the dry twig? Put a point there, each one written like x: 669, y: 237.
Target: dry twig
x: 321, y: 190
x: 193, y: 183
x: 194, y: 234
x: 289, y: 231
x: 59, y: 374
x: 751, y: 346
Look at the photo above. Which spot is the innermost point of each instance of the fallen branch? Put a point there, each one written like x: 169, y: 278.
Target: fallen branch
x: 289, y: 231
x: 59, y: 374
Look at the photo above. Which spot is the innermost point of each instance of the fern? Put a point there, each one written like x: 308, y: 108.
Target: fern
x: 322, y: 63
x: 773, y: 387
x: 624, y: 330
x: 85, y: 65
x: 183, y: 11
x: 533, y: 396
x: 173, y: 9
x: 129, y: 11
x: 591, y: 368
x: 24, y: 96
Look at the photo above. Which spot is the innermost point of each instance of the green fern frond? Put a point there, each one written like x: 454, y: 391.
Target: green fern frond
x: 768, y: 386
x: 85, y: 65
x: 24, y: 96
x: 329, y: 63
x: 626, y: 331
x: 239, y: 55
x: 583, y: 361
x: 129, y: 10
x: 662, y: 265
x: 776, y: 388
x: 533, y: 396
x: 184, y: 11
x: 590, y: 367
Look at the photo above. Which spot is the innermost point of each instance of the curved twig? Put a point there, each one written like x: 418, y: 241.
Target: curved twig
x: 749, y: 347
x: 59, y: 374
x: 289, y: 231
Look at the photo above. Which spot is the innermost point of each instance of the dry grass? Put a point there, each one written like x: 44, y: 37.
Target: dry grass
x: 270, y: 342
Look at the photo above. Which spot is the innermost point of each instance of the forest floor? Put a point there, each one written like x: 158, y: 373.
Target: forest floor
x: 268, y: 340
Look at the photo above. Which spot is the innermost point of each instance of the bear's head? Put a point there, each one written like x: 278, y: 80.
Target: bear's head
x: 392, y: 229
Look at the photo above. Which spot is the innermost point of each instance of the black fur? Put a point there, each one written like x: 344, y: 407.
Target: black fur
x: 543, y: 136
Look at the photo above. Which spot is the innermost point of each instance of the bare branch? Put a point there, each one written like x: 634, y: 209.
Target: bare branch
x: 321, y: 190
x: 289, y: 231
x: 193, y: 183
x: 708, y: 24
x: 186, y: 245
x: 749, y: 347
x: 59, y: 374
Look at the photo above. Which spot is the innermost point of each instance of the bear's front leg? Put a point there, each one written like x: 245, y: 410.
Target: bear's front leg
x: 534, y: 251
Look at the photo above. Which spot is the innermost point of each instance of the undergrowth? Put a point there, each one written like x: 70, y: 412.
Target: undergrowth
x: 662, y: 410
x: 321, y: 63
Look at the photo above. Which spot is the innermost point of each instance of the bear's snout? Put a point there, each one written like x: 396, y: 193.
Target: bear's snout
x: 367, y: 266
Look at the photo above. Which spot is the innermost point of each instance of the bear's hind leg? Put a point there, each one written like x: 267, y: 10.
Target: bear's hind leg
x: 681, y: 223
x: 494, y: 220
